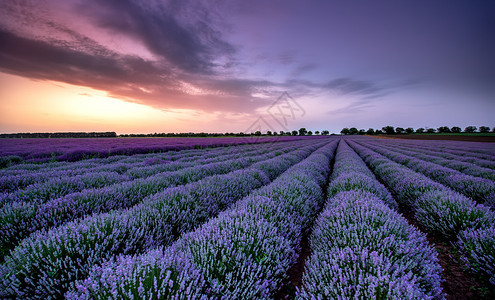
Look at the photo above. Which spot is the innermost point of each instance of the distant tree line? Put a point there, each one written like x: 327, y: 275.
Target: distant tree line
x: 59, y: 135
x: 409, y: 130
x: 301, y: 131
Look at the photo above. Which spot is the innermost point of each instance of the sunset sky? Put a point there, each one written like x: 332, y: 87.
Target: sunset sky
x: 136, y: 66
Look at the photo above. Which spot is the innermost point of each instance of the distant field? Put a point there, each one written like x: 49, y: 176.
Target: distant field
x: 339, y: 216
x: 72, y: 149
x: 467, y: 137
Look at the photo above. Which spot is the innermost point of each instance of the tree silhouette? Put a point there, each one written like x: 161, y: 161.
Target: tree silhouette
x: 484, y: 129
x: 470, y: 129
x: 455, y: 129
x: 388, y: 129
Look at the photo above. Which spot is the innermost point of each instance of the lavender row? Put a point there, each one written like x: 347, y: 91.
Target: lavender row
x: 61, y: 185
x: 463, y: 167
x: 19, y: 219
x: 41, y: 150
x: 464, y: 157
x: 480, y: 189
x: 244, y: 253
x: 440, y: 210
x: 351, y: 172
x: 48, y: 263
x: 361, y: 248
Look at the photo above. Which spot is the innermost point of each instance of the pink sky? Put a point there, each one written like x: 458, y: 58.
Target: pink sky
x: 167, y: 66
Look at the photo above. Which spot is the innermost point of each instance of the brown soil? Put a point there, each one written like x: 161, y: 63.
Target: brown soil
x: 459, y: 283
x: 288, y: 291
x: 464, y: 138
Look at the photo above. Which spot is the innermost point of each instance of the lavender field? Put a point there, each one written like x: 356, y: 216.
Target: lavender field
x: 72, y: 149
x: 296, y: 218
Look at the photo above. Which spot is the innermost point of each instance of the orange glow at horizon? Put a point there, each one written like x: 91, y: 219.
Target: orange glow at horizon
x: 45, y: 106
x: 28, y: 105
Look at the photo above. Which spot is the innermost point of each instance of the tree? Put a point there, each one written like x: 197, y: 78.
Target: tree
x: 370, y: 131
x: 409, y: 130
x: 325, y: 132
x: 443, y: 129
x: 353, y: 130
x: 388, y: 129
x: 268, y: 132
x: 455, y: 129
x: 470, y: 129
x: 317, y: 132
x: 400, y: 130
x: 310, y: 132
x: 302, y: 131
x: 344, y: 131
x: 288, y: 133
x: 378, y: 131
x: 275, y: 133
x: 431, y: 130
x: 257, y: 133
x: 362, y: 132
x: 484, y: 129
x: 294, y: 132
x: 282, y: 132
x: 493, y: 130
x: 420, y: 130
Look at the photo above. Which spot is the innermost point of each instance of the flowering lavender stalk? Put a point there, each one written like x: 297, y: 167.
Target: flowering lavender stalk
x: 156, y: 276
x: 478, y: 250
x: 244, y: 253
x: 363, y: 249
x: 48, y: 263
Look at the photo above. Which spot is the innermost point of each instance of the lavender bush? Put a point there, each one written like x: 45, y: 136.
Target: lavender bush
x: 363, y: 249
x: 478, y: 250
x: 447, y: 213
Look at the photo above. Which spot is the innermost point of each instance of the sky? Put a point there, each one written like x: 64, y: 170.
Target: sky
x: 141, y: 66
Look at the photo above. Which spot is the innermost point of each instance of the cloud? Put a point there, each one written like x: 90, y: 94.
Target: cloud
x: 184, y: 73
x: 181, y: 34
x: 347, y: 86
x: 302, y: 69
x: 191, y: 66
